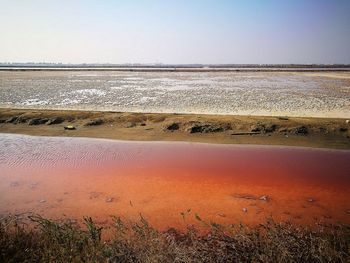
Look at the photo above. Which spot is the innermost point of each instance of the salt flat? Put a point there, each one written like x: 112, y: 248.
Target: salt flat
x: 303, y: 94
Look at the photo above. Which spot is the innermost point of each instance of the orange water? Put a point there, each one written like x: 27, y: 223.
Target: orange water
x: 74, y: 177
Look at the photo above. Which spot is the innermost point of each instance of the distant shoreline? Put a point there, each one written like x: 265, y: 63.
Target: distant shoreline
x: 179, y: 69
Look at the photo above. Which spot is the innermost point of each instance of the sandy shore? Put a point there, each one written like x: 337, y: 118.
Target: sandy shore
x: 309, y: 132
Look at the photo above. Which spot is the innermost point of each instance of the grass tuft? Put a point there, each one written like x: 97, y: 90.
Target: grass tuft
x: 36, y: 239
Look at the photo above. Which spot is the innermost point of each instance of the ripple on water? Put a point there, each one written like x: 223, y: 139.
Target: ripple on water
x: 18, y: 150
x: 103, y: 177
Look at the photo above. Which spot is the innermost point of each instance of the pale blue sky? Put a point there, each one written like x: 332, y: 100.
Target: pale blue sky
x: 178, y: 31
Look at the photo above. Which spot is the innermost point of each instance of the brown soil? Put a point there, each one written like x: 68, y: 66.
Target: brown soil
x: 292, y: 131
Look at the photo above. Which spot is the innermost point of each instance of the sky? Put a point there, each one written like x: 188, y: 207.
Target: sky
x: 175, y: 31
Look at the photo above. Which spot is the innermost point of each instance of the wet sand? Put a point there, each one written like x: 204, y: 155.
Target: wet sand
x: 323, y: 94
x: 75, y: 177
x: 219, y: 129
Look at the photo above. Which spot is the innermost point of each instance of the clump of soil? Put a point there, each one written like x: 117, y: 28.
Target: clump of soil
x: 264, y: 128
x: 208, y: 127
x: 172, y: 127
x: 37, y: 121
x: 55, y: 120
x: 95, y: 122
x: 299, y: 130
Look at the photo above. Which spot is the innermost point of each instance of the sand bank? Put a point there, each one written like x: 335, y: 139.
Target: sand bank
x: 220, y: 129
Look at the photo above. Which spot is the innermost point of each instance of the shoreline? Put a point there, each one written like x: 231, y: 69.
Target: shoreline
x: 336, y: 114
x: 199, y: 143
x: 179, y: 69
x: 218, y: 129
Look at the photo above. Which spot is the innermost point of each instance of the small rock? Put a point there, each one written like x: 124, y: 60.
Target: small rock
x: 14, y: 184
x: 347, y: 121
x: 343, y: 129
x: 55, y: 120
x: 283, y: 118
x: 311, y: 200
x: 110, y: 200
x: 42, y: 201
x: 245, y: 210
x: 95, y: 122
x: 69, y: 127
x: 265, y: 198
x: 222, y: 215
x: 143, y: 124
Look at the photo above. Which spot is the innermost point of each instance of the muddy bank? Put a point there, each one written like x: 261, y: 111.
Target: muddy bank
x: 311, y: 132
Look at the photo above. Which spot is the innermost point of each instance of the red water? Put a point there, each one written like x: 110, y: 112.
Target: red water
x: 74, y: 177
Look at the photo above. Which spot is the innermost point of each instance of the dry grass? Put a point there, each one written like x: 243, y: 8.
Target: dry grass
x: 50, y: 241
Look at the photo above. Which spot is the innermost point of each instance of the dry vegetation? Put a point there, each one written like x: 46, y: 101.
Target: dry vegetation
x: 50, y: 241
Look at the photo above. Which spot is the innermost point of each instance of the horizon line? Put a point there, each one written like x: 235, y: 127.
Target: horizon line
x: 156, y: 64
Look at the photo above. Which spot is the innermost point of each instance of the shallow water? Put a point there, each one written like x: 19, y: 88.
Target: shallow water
x: 255, y: 93
x: 73, y: 177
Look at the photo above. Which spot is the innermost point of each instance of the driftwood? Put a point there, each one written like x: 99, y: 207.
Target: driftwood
x: 283, y: 118
x: 245, y: 196
x: 245, y: 133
